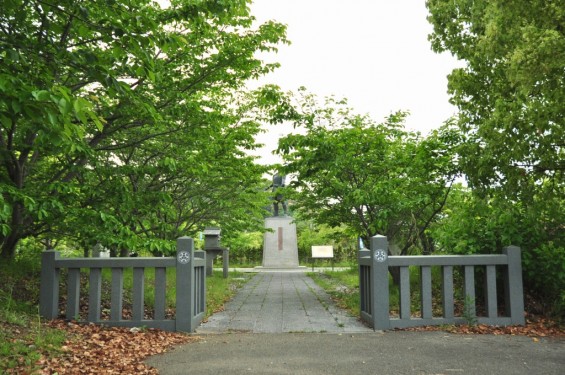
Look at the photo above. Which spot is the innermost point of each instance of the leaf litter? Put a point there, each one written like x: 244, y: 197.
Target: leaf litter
x: 96, y: 349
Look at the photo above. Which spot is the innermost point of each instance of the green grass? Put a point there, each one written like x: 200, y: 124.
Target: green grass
x: 23, y: 343
x: 239, y: 264
x: 327, y: 263
x: 23, y: 336
x: 343, y: 287
x: 220, y: 290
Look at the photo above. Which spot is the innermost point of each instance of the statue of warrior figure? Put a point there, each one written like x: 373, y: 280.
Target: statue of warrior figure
x: 278, y: 181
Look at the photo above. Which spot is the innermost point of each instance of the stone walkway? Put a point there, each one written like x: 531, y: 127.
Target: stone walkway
x: 277, y: 302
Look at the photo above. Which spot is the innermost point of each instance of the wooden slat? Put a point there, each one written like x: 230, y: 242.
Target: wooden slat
x: 490, y: 292
x: 94, y: 294
x: 117, y: 297
x: 73, y: 294
x: 404, y: 293
x: 160, y: 292
x: 447, y: 292
x: 426, y: 291
x: 138, y: 293
x: 469, y: 291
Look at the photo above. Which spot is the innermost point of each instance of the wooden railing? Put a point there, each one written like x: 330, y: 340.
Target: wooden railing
x: 374, y: 266
x: 190, y: 305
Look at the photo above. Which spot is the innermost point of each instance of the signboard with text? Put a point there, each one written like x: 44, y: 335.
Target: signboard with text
x: 322, y: 252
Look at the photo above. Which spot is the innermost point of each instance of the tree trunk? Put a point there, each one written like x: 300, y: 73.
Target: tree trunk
x: 8, y: 249
x: 428, y: 246
x: 395, y: 273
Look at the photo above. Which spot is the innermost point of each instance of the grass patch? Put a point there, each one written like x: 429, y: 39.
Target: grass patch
x: 342, y: 286
x: 24, y: 343
x: 220, y: 290
x: 23, y: 336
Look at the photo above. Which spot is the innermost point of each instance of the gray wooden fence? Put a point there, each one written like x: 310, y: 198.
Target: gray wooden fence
x: 190, y: 288
x: 374, y: 287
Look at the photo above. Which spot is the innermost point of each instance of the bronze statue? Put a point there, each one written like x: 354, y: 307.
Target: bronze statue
x: 278, y: 182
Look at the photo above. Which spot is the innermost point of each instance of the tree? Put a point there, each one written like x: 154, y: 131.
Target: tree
x: 472, y: 224
x: 245, y: 247
x: 94, y: 96
x: 511, y: 93
x: 374, y: 178
x: 345, y: 244
x: 511, y: 98
x: 170, y: 187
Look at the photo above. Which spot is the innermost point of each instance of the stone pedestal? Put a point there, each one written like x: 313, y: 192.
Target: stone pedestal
x: 280, y: 247
x: 211, y: 254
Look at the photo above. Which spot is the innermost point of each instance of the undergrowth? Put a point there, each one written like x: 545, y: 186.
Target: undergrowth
x: 23, y: 336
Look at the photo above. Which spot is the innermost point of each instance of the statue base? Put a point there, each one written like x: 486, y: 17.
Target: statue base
x: 280, y: 246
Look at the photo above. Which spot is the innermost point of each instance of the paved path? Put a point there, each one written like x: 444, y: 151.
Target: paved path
x: 277, y: 302
x: 414, y: 353
x: 273, y: 303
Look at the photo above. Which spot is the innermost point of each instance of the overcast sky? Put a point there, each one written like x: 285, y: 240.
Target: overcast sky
x: 374, y: 53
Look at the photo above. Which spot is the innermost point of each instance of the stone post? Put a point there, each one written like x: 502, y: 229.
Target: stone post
x: 379, y: 280
x: 185, y: 289
x: 514, y: 291
x: 49, y: 285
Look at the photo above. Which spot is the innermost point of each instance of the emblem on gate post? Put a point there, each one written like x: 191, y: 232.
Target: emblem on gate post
x: 380, y: 255
x: 183, y: 257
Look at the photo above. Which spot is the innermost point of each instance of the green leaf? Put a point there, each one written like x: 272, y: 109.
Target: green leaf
x: 6, y: 121
x: 41, y: 95
x: 52, y: 117
x: 65, y: 106
x: 16, y: 106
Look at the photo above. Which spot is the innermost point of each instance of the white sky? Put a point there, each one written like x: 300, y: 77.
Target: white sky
x: 375, y: 53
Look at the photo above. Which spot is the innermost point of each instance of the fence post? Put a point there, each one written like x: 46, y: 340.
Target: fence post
x: 379, y: 280
x: 513, y: 285
x: 184, y: 284
x: 49, y: 285
x: 365, y: 293
x: 226, y: 261
x: 199, y: 289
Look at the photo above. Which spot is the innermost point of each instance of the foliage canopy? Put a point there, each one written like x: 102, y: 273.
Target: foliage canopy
x: 126, y: 123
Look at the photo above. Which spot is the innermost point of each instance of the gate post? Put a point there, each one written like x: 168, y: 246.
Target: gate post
x: 185, y: 284
x: 514, y: 291
x: 379, y: 279
x: 49, y: 285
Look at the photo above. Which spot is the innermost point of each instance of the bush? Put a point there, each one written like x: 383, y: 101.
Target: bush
x: 544, y: 276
